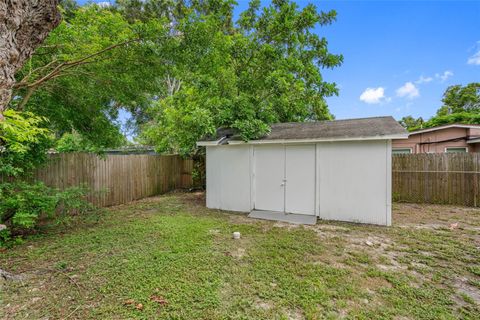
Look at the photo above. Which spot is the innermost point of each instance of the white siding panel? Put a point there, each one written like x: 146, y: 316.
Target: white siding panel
x: 353, y: 179
x: 213, y: 165
x: 388, y: 189
x: 228, y: 178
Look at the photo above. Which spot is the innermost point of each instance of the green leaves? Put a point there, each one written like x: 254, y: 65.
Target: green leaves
x: 461, y: 104
x: 181, y: 127
x: 23, y: 146
x: 24, y: 204
x: 264, y: 70
x: 460, y: 98
x: 182, y: 68
x: 251, y: 128
x: 460, y: 117
x: 23, y: 142
x: 74, y: 142
x: 94, y: 63
x: 411, y: 123
x: 19, y: 131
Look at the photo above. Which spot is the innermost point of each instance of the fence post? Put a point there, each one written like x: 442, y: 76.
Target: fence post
x: 475, y: 179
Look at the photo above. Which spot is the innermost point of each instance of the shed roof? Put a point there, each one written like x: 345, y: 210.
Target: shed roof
x: 376, y: 128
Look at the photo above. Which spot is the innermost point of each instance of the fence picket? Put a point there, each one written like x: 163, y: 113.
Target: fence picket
x: 444, y: 178
x: 125, y: 177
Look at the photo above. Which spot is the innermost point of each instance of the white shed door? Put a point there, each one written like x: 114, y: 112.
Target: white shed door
x: 285, y: 178
x: 269, y: 178
x: 300, y: 179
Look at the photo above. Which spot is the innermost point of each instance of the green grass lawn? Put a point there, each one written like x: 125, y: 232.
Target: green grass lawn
x: 170, y: 257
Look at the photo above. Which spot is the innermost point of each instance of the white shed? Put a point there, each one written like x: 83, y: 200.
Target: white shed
x: 333, y: 170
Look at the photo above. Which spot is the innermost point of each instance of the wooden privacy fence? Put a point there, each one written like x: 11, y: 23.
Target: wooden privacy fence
x: 448, y: 178
x: 444, y: 178
x: 117, y: 179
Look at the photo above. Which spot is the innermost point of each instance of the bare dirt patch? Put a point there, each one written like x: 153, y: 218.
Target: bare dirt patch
x: 195, y: 198
x: 435, y: 216
x: 295, y: 314
x: 263, y: 305
x: 238, y: 253
x: 286, y: 225
x: 461, y: 284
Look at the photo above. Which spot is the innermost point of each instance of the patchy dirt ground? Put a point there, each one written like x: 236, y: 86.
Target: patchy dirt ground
x: 397, y: 249
x: 435, y: 216
x: 172, y: 248
x: 392, y: 252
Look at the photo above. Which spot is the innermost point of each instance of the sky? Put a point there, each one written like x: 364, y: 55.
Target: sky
x: 399, y: 56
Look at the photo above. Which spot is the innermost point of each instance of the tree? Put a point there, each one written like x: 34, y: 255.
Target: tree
x: 461, y: 104
x: 410, y: 123
x: 25, y: 25
x: 459, y: 117
x: 460, y: 98
x: 261, y: 70
x: 92, y: 64
x: 175, y: 10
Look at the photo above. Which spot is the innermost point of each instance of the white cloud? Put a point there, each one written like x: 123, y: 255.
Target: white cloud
x: 475, y: 59
x: 444, y: 76
x: 408, y: 90
x: 373, y: 95
x: 423, y: 79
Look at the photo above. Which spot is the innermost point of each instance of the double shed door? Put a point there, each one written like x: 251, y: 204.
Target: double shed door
x: 285, y: 178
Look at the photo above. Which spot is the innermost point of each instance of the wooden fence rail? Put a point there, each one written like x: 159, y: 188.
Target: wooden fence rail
x: 444, y: 178
x: 117, y: 179
x: 449, y: 178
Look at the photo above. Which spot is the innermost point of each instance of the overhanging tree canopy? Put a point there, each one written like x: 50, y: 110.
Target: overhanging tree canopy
x: 266, y: 68
x: 183, y: 68
x: 92, y: 64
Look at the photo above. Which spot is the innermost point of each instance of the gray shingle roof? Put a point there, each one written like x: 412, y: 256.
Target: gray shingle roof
x: 349, y: 128
x: 328, y: 130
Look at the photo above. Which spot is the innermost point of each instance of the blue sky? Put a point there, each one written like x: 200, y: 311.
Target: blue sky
x: 406, y: 53
x: 399, y: 56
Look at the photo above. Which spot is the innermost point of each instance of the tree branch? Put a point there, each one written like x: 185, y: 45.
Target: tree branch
x: 24, y: 81
x: 25, y: 99
x: 68, y: 65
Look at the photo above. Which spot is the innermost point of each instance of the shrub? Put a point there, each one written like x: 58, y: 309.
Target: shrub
x: 74, y: 142
x: 24, y: 203
x: 23, y: 143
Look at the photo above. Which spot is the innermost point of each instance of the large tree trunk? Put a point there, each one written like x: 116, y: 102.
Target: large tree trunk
x: 24, y: 24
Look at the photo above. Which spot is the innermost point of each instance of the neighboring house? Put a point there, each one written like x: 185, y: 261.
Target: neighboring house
x: 333, y: 170
x: 447, y: 138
